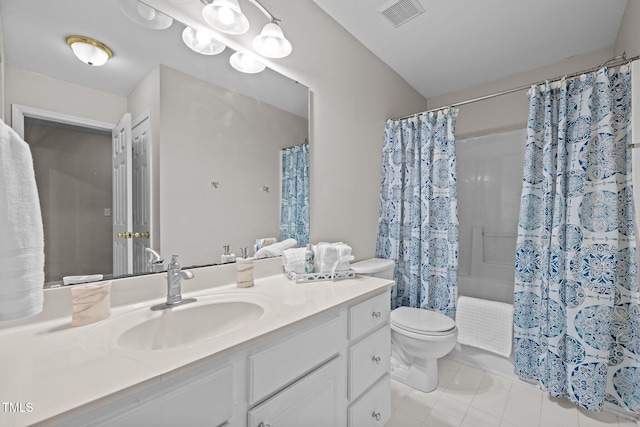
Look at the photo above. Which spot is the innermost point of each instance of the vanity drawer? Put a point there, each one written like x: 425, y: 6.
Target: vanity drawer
x: 281, y: 364
x: 369, y: 360
x: 369, y: 314
x: 374, y: 408
x: 313, y: 401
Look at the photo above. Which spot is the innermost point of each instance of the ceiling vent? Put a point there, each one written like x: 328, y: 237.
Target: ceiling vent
x: 402, y: 11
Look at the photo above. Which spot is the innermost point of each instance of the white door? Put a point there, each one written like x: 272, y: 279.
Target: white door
x: 122, y: 197
x: 141, y: 141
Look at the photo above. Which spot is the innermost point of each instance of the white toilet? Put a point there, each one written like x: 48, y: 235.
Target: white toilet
x: 418, y: 337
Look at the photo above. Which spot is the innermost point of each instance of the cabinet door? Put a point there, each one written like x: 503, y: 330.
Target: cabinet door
x: 317, y: 400
x: 193, y: 399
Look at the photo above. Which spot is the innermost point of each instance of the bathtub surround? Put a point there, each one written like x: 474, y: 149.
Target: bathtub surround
x: 294, y: 199
x: 21, y: 231
x: 418, y: 222
x: 576, y: 294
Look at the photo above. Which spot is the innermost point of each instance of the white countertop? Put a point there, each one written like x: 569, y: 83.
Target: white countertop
x: 54, y: 368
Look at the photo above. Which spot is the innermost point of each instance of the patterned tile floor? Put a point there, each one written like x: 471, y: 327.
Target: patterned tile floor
x: 468, y: 396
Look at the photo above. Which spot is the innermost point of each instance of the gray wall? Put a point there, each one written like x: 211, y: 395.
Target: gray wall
x: 73, y: 175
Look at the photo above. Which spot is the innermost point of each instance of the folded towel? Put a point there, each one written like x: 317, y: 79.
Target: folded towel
x: 275, y: 249
x: 22, y: 235
x: 293, y: 260
x: 485, y: 324
x: 332, y: 257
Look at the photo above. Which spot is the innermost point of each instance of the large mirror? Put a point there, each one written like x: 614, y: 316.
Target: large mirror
x: 209, y: 138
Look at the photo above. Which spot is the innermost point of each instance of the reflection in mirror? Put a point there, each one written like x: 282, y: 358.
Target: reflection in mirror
x: 207, y: 139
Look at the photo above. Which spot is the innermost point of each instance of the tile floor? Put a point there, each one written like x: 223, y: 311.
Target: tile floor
x: 468, y: 396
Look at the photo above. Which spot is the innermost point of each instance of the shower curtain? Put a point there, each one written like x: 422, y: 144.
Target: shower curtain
x: 294, y: 208
x: 418, y: 222
x: 576, y: 293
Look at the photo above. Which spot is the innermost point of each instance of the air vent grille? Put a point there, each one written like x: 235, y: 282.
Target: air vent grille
x: 402, y: 11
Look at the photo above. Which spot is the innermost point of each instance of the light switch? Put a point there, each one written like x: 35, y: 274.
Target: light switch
x: 107, y: 211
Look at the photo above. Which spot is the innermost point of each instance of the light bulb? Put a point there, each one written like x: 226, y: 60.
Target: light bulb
x: 146, y: 12
x: 245, y: 63
x: 225, y: 15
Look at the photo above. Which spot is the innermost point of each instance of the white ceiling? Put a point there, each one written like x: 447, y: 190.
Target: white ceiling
x: 34, y: 33
x: 457, y: 44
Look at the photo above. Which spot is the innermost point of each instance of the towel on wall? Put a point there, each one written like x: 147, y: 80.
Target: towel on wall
x: 485, y: 324
x: 21, y: 232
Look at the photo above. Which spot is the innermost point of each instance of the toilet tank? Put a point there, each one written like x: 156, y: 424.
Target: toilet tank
x: 375, y: 267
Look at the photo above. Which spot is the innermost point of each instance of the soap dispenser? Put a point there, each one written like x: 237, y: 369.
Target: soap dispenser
x: 244, y: 270
x: 227, y: 256
x: 309, y: 260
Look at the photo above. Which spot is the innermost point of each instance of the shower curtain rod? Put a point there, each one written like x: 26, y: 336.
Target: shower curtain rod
x: 306, y: 142
x: 613, y: 62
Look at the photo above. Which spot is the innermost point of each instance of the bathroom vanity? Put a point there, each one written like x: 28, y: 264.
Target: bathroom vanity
x: 279, y: 354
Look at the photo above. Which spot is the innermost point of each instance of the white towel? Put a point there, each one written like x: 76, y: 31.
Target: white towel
x: 275, y: 249
x: 21, y: 232
x: 294, y: 260
x: 485, y: 324
x: 332, y: 257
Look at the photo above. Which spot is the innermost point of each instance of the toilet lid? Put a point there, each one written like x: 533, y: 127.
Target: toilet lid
x: 421, y: 321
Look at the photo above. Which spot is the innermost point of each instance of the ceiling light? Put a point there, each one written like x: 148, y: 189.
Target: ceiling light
x: 226, y: 16
x: 202, y: 41
x: 89, y: 51
x: 271, y: 42
x: 245, y: 63
x: 144, y: 15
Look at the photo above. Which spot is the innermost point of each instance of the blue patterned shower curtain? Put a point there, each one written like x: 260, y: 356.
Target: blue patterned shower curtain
x: 576, y: 291
x: 418, y: 223
x: 294, y: 210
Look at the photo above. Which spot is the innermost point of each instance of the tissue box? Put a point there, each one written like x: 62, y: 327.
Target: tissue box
x: 91, y: 303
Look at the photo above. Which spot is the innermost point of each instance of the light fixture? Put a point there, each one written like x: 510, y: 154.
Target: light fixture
x: 89, y: 51
x: 144, y: 15
x: 271, y: 42
x: 226, y: 16
x: 201, y: 41
x: 245, y: 63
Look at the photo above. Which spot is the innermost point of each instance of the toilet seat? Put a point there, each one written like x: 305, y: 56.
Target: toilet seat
x: 422, y: 322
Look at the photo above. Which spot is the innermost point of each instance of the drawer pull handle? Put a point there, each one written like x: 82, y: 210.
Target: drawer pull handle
x: 264, y: 425
x: 376, y: 360
x: 376, y: 314
x: 375, y: 415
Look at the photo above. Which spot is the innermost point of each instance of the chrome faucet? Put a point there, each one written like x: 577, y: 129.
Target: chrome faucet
x: 156, y: 261
x: 174, y: 285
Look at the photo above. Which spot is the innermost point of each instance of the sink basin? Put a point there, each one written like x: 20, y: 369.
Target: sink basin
x: 183, y: 326
x: 186, y: 325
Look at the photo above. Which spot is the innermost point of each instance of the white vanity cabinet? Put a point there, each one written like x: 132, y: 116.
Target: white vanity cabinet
x: 328, y: 370
x: 196, y: 398
x: 369, y: 384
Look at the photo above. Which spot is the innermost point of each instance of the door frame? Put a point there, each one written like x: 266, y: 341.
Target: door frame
x: 19, y: 112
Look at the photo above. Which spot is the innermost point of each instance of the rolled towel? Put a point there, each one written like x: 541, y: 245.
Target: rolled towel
x: 275, y: 249
x: 293, y: 260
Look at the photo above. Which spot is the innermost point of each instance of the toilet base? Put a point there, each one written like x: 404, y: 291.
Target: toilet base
x: 422, y: 375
